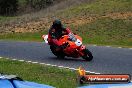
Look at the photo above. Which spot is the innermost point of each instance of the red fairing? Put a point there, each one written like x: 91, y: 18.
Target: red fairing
x: 53, y: 41
x: 82, y: 47
x: 49, y: 39
x: 56, y: 42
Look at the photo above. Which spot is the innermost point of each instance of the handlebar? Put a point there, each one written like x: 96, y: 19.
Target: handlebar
x: 72, y: 37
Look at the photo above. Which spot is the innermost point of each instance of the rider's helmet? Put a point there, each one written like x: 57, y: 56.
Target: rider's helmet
x: 57, y: 24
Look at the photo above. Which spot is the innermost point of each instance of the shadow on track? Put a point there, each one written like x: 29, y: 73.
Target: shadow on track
x: 69, y: 59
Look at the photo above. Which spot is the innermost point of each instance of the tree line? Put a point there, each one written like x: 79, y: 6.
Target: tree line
x: 13, y: 7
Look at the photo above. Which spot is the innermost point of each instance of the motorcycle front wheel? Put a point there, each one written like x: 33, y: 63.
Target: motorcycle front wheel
x: 87, y: 55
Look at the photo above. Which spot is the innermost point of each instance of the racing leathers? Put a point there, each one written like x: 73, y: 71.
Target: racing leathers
x: 54, y: 35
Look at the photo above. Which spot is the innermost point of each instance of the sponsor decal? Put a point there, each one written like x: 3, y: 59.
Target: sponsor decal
x: 102, y: 78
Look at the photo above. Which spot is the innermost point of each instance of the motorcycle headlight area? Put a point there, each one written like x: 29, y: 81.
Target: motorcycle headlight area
x: 78, y: 42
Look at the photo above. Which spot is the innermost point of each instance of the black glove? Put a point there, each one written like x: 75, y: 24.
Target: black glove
x: 63, y: 46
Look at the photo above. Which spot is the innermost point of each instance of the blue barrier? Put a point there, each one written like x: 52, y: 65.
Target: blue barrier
x: 26, y: 84
x: 12, y: 81
x: 5, y: 83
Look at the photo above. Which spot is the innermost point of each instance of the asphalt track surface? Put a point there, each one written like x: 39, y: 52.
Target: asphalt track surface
x: 106, y: 59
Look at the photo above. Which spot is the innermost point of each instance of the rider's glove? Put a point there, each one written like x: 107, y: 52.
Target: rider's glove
x: 71, y: 35
x: 63, y: 46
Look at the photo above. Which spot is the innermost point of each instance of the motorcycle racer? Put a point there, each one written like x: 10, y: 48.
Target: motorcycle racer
x: 56, y: 31
x: 64, y: 43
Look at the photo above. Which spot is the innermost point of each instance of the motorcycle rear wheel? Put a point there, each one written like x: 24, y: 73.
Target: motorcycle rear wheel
x: 87, y: 55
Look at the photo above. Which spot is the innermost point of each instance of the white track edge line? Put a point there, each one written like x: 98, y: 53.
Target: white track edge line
x: 48, y: 64
x: 52, y: 65
x: 14, y: 59
x: 42, y: 63
x: 108, y: 46
x: 94, y: 45
x: 119, y: 47
x: 7, y: 58
x: 34, y: 62
x: 112, y: 46
x: 21, y: 60
x: 28, y: 61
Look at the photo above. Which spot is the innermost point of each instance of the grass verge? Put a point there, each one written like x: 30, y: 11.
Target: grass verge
x: 101, y: 22
x: 22, y: 36
x: 4, y: 18
x: 59, y: 78
x: 97, y: 7
x: 103, y: 31
x: 107, y: 31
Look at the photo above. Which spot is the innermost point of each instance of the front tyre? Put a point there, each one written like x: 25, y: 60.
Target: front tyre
x: 87, y: 55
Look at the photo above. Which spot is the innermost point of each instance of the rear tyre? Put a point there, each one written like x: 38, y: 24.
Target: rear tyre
x: 87, y: 55
x: 59, y: 54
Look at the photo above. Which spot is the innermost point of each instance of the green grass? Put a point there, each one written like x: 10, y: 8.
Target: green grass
x: 22, y: 2
x: 107, y: 31
x: 23, y: 36
x: 59, y: 78
x: 97, y: 7
x: 104, y: 31
x: 4, y: 18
